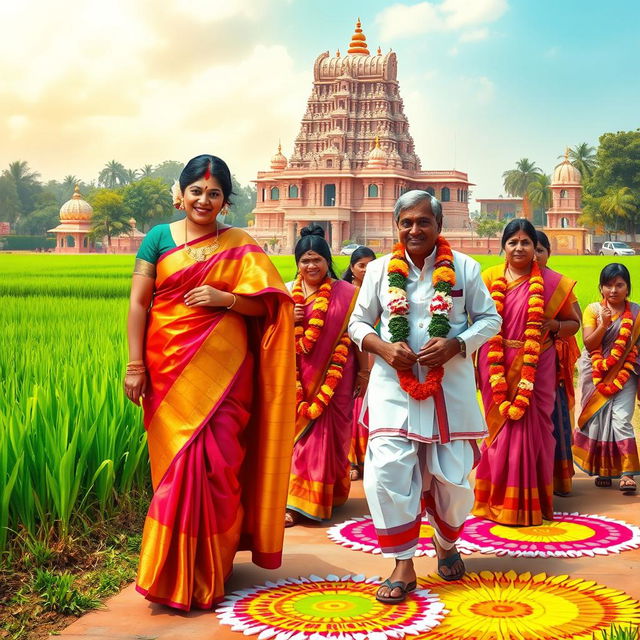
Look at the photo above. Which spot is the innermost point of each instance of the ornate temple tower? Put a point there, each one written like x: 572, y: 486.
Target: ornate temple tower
x: 352, y: 158
x: 562, y: 219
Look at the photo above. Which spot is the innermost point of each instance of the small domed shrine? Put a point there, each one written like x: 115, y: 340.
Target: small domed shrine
x: 128, y: 242
x: 353, y: 157
x: 72, y: 234
x: 562, y: 227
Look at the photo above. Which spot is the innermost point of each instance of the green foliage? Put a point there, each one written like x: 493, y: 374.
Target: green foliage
x: 539, y: 192
x: 38, y: 222
x: 488, y: 226
x: 168, y: 171
x: 583, y: 158
x: 148, y: 200
x: 517, y: 181
x: 244, y: 202
x: 9, y: 201
x: 27, y: 184
x: 618, y: 632
x: 58, y: 594
x: 110, y: 215
x: 113, y: 175
x: 26, y: 243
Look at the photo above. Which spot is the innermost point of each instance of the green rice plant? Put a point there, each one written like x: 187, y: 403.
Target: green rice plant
x: 57, y: 593
x: 618, y: 632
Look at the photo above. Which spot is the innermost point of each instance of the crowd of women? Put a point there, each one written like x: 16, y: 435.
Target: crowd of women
x: 253, y: 391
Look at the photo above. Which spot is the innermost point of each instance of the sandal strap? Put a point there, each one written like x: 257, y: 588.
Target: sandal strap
x: 449, y: 561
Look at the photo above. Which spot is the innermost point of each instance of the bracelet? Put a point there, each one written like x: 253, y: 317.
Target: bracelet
x: 235, y: 299
x: 135, y: 362
x: 364, y: 374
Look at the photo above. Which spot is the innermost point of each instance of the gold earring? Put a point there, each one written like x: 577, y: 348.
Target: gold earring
x: 225, y: 210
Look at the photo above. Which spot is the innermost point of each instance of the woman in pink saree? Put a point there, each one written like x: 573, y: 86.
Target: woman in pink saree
x: 327, y: 380
x: 514, y: 479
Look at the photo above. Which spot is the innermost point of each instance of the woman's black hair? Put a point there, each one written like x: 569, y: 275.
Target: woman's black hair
x: 312, y: 239
x: 519, y: 224
x: 199, y: 166
x: 612, y: 271
x: 360, y: 253
x: 543, y: 239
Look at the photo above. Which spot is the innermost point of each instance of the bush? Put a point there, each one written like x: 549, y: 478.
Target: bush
x: 26, y: 243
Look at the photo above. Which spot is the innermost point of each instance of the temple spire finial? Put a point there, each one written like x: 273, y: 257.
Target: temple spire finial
x: 358, y: 44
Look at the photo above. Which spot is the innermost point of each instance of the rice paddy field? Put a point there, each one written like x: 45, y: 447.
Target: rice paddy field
x: 72, y: 448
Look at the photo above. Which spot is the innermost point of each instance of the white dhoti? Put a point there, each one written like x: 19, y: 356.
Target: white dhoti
x: 404, y: 478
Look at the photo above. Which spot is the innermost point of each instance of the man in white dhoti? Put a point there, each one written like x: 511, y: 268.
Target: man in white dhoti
x: 424, y: 418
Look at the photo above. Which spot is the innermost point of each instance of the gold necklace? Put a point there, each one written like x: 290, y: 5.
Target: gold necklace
x: 200, y: 254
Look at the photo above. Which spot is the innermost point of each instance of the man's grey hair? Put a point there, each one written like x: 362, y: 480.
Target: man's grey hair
x: 412, y: 199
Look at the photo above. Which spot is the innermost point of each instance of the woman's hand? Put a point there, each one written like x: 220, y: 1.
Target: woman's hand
x: 362, y: 382
x: 550, y: 325
x: 298, y: 313
x: 206, y: 296
x: 604, y: 318
x: 135, y: 385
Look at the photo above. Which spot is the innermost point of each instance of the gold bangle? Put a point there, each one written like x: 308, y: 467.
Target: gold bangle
x: 135, y: 362
x: 235, y: 299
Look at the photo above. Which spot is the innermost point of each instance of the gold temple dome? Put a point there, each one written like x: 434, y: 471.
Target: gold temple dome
x: 566, y: 173
x: 279, y: 161
x: 358, y: 44
x: 77, y: 208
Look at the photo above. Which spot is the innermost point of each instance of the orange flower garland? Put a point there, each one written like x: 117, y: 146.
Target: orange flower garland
x: 314, y: 409
x: 443, y: 278
x: 532, y: 339
x: 601, y: 365
x: 306, y: 338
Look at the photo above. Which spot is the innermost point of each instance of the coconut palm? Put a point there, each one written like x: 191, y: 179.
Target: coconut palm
x: 146, y: 171
x: 583, y: 158
x: 619, y: 204
x: 113, y: 175
x: 130, y: 175
x: 517, y: 181
x: 69, y: 183
x: 27, y: 184
x: 539, y: 193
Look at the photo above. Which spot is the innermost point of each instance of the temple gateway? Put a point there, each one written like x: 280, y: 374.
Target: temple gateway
x: 353, y: 157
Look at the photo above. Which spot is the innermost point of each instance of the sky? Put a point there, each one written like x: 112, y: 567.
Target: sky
x: 484, y: 82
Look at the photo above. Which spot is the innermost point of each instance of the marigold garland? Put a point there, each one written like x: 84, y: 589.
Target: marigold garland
x: 443, y: 278
x: 314, y: 409
x: 306, y: 337
x: 532, y: 339
x: 601, y: 365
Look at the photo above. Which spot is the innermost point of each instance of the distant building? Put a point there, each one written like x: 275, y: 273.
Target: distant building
x: 72, y: 234
x: 506, y: 208
x: 352, y: 159
x: 127, y: 242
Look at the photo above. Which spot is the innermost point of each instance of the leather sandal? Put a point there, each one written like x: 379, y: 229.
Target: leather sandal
x: 602, y: 482
x: 628, y: 487
x: 448, y: 562
x: 405, y: 588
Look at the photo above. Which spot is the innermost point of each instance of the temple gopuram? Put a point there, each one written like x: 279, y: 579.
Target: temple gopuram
x: 351, y: 160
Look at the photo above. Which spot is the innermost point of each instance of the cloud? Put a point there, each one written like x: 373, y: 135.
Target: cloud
x: 403, y: 20
x: 144, y: 82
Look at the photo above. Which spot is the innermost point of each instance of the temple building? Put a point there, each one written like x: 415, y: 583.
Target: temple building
x: 72, y: 234
x: 565, y: 236
x: 351, y: 160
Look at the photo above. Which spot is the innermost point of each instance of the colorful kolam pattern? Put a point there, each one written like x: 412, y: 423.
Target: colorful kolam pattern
x: 569, y: 535
x: 359, y: 534
x: 311, y: 608
x: 508, y: 606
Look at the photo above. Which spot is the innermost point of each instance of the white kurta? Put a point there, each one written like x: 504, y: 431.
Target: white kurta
x: 474, y: 318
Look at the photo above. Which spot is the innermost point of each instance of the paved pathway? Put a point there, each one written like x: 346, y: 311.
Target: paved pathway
x: 128, y: 616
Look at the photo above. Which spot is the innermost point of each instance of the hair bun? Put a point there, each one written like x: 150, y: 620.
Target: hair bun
x: 312, y: 230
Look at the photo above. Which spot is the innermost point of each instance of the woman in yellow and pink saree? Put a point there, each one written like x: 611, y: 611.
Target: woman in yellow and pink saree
x: 212, y: 360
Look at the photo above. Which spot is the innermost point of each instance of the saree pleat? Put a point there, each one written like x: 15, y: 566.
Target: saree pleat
x: 514, y: 479
x: 219, y: 420
x: 319, y: 477
x: 604, y: 442
x: 359, y: 436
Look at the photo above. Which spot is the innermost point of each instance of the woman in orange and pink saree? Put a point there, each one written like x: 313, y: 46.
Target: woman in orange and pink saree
x: 327, y: 377
x: 517, y: 373
x: 211, y: 357
x: 604, y: 442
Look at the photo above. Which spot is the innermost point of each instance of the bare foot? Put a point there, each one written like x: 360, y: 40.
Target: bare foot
x: 403, y: 572
x: 291, y: 518
x: 354, y: 474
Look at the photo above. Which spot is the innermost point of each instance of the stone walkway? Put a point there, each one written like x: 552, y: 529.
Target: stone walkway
x: 128, y: 616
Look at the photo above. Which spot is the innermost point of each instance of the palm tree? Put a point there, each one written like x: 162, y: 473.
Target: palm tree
x: 113, y: 175
x: 130, y: 175
x: 583, y: 158
x: 517, y: 181
x: 27, y: 184
x: 69, y: 183
x: 617, y: 204
x: 146, y: 171
x: 539, y: 194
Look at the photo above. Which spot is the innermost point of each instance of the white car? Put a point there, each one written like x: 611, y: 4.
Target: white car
x: 348, y: 249
x: 616, y: 249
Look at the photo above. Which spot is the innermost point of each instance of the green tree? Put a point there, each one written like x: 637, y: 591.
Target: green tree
x: 69, y: 183
x: 9, y: 201
x: 146, y: 171
x: 539, y: 193
x: 148, y: 200
x: 27, y: 184
x: 129, y: 176
x: 619, y: 205
x: 168, y: 171
x: 583, y: 158
x: 517, y: 181
x: 617, y: 166
x: 39, y: 221
x: 110, y: 215
x: 488, y: 226
x: 244, y: 202
x: 113, y: 175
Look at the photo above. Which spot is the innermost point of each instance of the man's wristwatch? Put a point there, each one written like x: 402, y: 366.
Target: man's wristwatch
x: 463, y: 346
